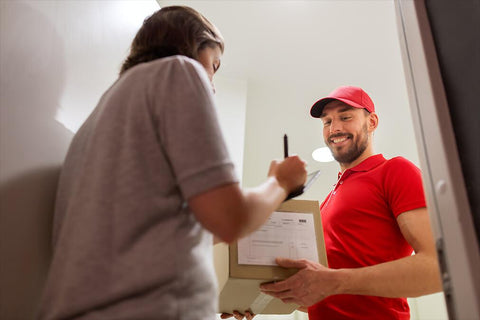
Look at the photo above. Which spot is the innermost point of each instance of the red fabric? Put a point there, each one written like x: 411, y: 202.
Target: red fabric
x: 360, y: 229
x: 353, y: 96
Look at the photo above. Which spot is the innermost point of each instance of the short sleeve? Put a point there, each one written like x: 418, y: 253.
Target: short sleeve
x: 189, y: 130
x: 403, y: 186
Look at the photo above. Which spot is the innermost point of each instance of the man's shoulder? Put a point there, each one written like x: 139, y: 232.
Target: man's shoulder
x: 400, y: 166
x: 399, y: 161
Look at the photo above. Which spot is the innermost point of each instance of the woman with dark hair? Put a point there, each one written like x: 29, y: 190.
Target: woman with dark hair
x: 172, y: 31
x: 147, y: 181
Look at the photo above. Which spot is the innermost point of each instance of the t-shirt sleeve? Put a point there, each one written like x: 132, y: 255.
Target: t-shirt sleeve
x: 189, y: 130
x: 403, y: 186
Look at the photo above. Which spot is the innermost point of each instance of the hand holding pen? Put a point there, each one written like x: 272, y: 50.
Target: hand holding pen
x: 290, y: 172
x: 299, y: 189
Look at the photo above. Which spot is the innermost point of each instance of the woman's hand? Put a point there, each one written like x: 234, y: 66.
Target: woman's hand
x: 238, y: 316
x: 290, y: 172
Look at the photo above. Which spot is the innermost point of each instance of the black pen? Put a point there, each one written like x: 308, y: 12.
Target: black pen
x: 285, y: 146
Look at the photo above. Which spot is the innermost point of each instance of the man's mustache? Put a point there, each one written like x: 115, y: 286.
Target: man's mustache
x: 340, y: 135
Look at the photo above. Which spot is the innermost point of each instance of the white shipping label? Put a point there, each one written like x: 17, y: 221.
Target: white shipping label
x: 285, y: 234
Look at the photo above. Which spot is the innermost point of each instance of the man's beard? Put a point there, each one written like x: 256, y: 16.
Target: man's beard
x: 354, y: 151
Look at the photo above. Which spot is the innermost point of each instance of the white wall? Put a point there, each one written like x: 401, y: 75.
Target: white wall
x: 32, y: 145
x: 231, y: 96
x: 429, y: 307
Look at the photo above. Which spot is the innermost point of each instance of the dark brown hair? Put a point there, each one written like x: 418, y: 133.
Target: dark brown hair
x: 170, y: 31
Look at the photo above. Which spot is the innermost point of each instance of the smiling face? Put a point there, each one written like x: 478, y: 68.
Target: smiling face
x: 347, y: 132
x: 209, y: 56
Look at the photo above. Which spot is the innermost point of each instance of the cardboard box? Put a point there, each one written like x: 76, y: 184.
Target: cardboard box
x: 239, y: 283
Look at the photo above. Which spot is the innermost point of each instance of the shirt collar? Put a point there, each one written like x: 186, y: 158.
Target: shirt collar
x: 367, y: 164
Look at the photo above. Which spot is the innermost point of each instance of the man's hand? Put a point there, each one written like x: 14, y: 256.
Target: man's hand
x: 312, y: 283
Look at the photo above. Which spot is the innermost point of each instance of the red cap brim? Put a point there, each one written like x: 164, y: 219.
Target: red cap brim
x: 317, y: 108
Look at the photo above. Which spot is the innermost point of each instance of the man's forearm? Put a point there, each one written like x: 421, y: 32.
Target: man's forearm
x: 411, y: 276
x: 408, y: 277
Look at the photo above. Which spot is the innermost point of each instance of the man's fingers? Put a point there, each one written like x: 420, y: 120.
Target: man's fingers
x: 289, y: 300
x: 289, y: 263
x: 278, y: 294
x: 275, y: 287
x: 286, y: 297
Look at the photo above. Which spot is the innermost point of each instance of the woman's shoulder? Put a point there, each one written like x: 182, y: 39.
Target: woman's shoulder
x: 176, y: 64
x: 173, y: 69
x: 177, y: 61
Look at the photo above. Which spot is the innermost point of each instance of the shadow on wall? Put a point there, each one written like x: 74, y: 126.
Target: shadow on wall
x: 26, y: 204
x: 32, y: 146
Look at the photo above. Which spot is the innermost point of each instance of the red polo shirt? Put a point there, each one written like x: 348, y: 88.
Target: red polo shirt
x: 360, y: 228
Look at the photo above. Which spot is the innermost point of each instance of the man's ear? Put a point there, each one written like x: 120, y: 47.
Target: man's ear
x: 372, y: 121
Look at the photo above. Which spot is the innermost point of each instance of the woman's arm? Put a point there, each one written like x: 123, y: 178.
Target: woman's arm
x: 230, y: 212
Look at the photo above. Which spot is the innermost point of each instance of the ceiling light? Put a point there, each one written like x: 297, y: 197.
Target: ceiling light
x: 322, y: 155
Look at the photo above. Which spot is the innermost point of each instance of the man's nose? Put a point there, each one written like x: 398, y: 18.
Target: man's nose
x: 335, y: 126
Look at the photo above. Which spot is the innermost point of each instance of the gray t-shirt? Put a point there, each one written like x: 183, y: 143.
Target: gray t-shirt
x: 126, y: 245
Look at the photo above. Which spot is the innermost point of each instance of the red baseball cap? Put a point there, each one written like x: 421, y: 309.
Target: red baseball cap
x: 353, y: 96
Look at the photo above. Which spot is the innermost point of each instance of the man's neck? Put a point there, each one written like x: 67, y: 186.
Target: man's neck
x: 366, y: 154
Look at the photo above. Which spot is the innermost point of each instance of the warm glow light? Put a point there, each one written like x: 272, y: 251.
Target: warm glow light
x: 132, y: 13
x: 322, y: 155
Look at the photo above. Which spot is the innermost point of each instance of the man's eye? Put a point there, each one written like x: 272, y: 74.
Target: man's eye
x: 346, y: 118
x: 326, y: 123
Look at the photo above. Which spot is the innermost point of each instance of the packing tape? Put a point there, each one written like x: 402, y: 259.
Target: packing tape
x: 260, y: 302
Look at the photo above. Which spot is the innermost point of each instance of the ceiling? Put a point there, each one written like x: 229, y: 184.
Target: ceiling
x: 290, y: 53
